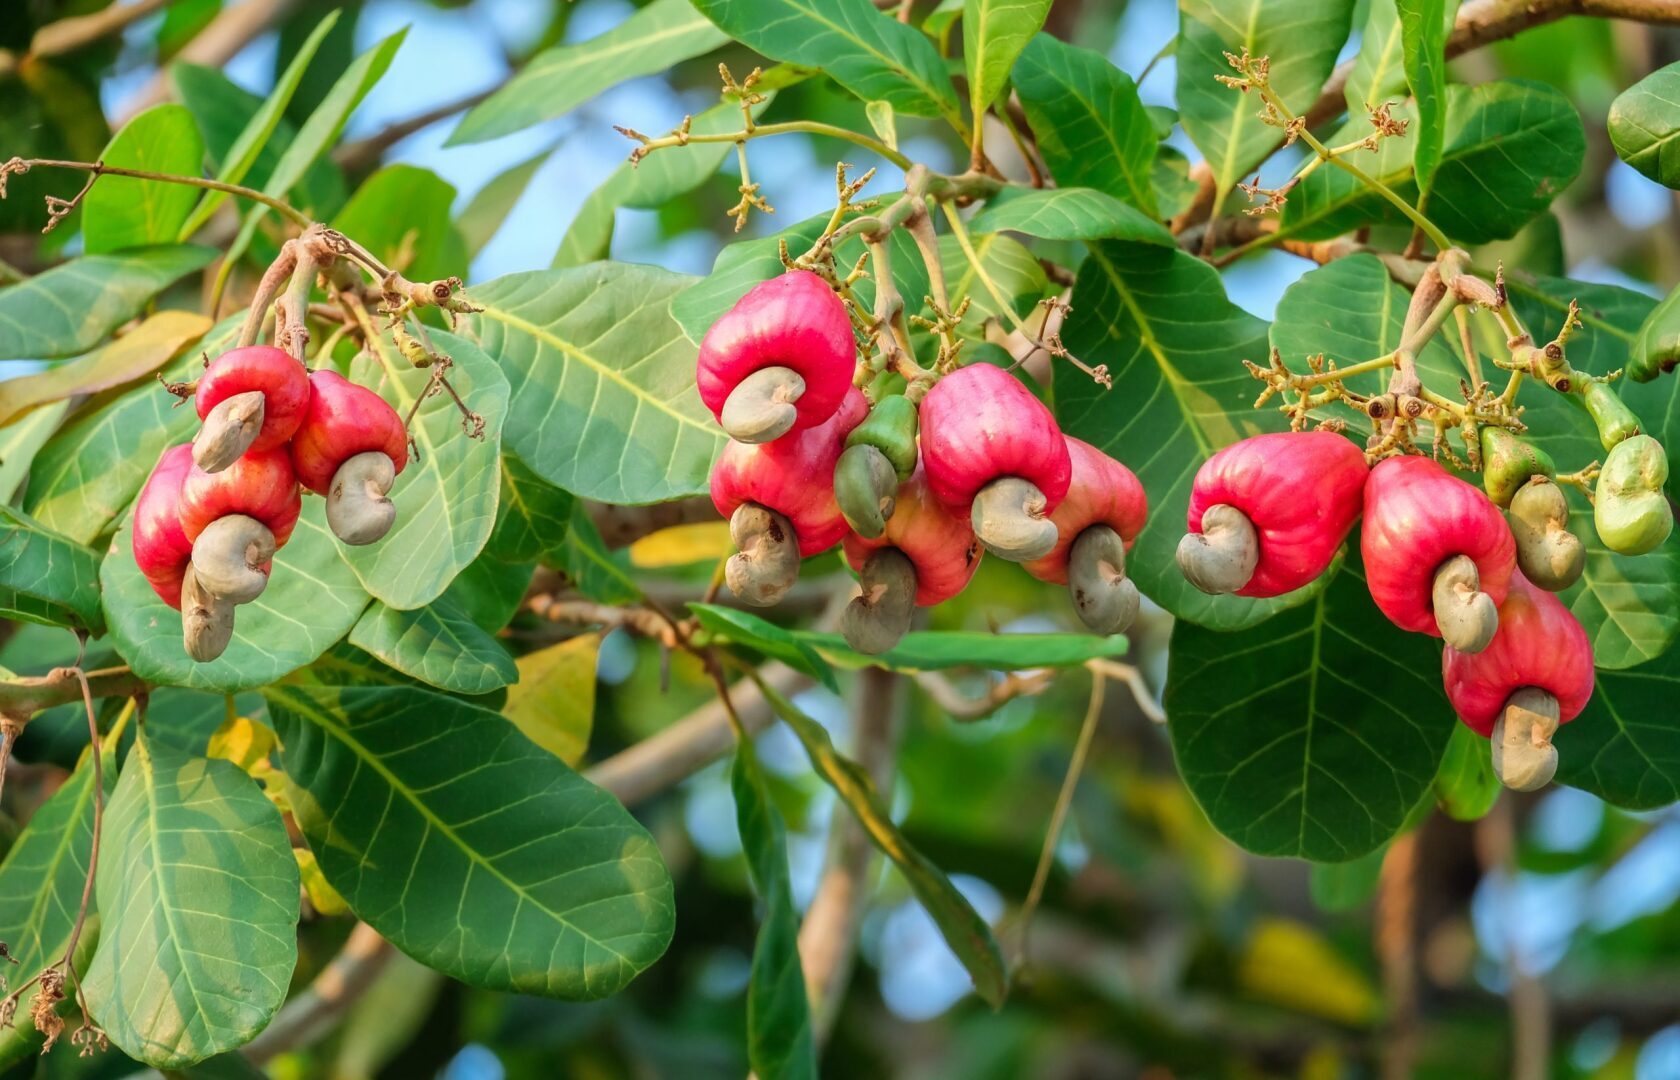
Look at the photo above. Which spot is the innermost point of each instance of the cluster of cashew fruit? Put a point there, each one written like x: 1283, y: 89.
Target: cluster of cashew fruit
x: 916, y: 485
x: 214, y: 512
x: 1268, y: 515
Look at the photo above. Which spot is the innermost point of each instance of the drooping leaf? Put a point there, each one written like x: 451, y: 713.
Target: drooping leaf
x: 1067, y: 213
x: 994, y: 33
x: 1466, y: 787
x: 967, y: 934
x: 198, y: 897
x: 1158, y: 318
x: 76, y: 305
x: 485, y: 212
x: 560, y: 79
x: 603, y: 398
x: 766, y: 638
x: 404, y: 795
x: 58, y: 574
x: 553, y: 702
x: 437, y: 644
x: 402, y: 214
x: 1314, y: 735
x: 446, y: 500
x: 136, y: 354
x: 1645, y: 125
x: 1423, y: 37
x: 779, y: 1038
x: 532, y: 516
x: 121, y: 212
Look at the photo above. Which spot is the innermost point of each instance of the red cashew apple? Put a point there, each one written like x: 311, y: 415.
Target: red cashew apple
x: 350, y: 448
x: 237, y: 519
x: 251, y: 398
x: 1536, y: 674
x: 780, y: 360
x: 1267, y: 514
x: 924, y: 556
x: 1096, y: 523
x: 779, y: 499
x: 1438, y: 553
x: 993, y: 451
x: 161, y: 548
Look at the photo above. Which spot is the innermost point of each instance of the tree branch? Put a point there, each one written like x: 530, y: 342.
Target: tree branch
x: 315, y: 1011
x: 365, y: 153
x: 236, y: 27
x: 23, y: 698
x: 70, y: 34
x: 960, y: 706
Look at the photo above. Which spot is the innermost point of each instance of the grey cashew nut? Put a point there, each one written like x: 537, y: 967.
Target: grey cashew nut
x: 1104, y: 596
x: 1523, y: 755
x: 767, y: 564
x: 1222, y: 557
x: 206, y: 620
x: 1549, y: 554
x: 228, y: 557
x: 1009, y: 518
x: 760, y: 408
x: 879, y: 615
x: 1467, y: 617
x: 866, y: 487
x: 358, y: 511
x: 228, y: 430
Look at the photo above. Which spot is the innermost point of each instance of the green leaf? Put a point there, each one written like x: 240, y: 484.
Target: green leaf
x: 994, y: 33
x: 1466, y: 786
x: 1160, y: 320
x: 1378, y: 72
x: 50, y: 569
x: 1091, y: 127
x: 1301, y: 37
x: 1314, y: 735
x: 78, y: 304
x: 1067, y: 213
x: 553, y: 702
x: 198, y: 893
x: 1625, y: 747
x: 437, y: 644
x: 967, y: 934
x: 531, y: 517
x: 935, y: 650
x: 486, y: 211
x: 603, y: 399
x: 238, y: 158
x: 21, y: 440
x: 598, y: 572
x: 1645, y: 125
x: 404, y: 795
x: 766, y: 638
x: 312, y: 600
x: 1011, y: 267
x: 446, y: 500
x: 490, y: 592
x: 133, y: 356
x: 402, y: 215
x: 779, y: 1038
x: 121, y: 212
x: 1423, y: 37
x: 869, y: 53
x: 559, y: 79
x: 1345, y: 886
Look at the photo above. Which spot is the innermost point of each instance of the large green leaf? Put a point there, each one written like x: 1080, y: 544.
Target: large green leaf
x: 1423, y: 38
x: 1010, y: 267
x: 559, y: 79
x: 1314, y: 735
x: 50, y: 570
x: 779, y: 1039
x: 1645, y: 125
x: 603, y: 403
x: 1067, y: 213
x: 994, y: 33
x: 1378, y: 72
x: 870, y: 53
x: 1091, y: 126
x: 74, y: 306
x: 532, y: 516
x: 437, y: 644
x: 401, y: 214
x: 470, y: 848
x: 312, y: 599
x: 744, y: 628
x: 1174, y: 345
x: 595, y: 570
x: 199, y: 895
x: 446, y: 500
x: 1625, y: 746
x: 1300, y: 37
x: 121, y: 212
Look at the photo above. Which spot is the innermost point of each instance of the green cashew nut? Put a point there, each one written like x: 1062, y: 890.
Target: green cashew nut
x: 1630, y: 511
x: 1616, y: 422
x: 1656, y: 348
x: 866, y: 487
x: 1510, y: 461
x: 1550, y: 555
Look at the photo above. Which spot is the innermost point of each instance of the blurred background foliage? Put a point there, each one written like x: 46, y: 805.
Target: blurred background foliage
x: 1544, y: 936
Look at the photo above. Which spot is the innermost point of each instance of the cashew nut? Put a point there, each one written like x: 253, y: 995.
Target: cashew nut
x: 228, y: 557
x: 1104, y: 596
x: 229, y: 430
x: 1222, y: 557
x: 1009, y: 519
x: 1549, y: 554
x: 760, y: 408
x: 357, y: 510
x: 1466, y: 616
x: 206, y: 620
x: 866, y: 487
x: 879, y: 615
x: 767, y: 564
x: 1523, y: 754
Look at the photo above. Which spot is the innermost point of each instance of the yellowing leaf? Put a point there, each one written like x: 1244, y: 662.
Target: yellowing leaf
x: 242, y: 741
x: 553, y: 702
x: 681, y: 545
x: 136, y: 354
x: 322, y: 896
x: 1288, y: 964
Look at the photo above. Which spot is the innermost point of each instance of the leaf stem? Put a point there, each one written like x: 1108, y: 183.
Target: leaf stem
x: 809, y: 127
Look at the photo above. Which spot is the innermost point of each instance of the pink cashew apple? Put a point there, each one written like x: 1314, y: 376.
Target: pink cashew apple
x: 350, y: 447
x: 250, y: 398
x: 161, y: 548
x: 1096, y: 523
